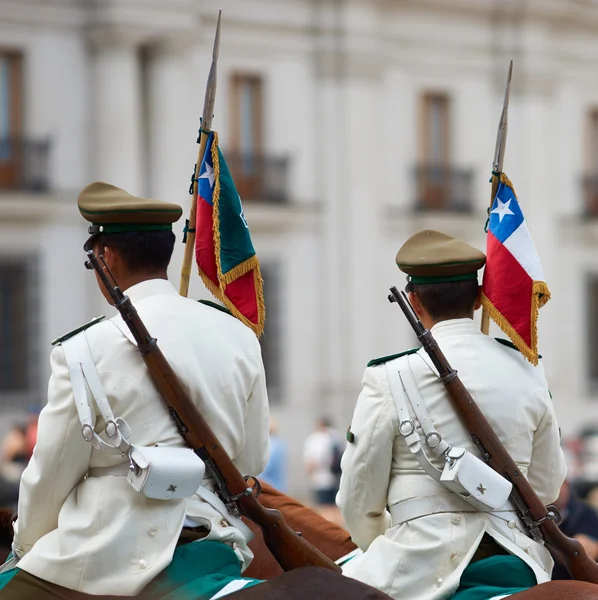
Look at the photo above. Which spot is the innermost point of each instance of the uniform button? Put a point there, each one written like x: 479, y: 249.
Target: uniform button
x: 152, y: 531
x: 142, y: 564
x: 224, y: 523
x: 512, y: 524
x: 528, y: 550
x: 439, y: 582
x: 453, y: 554
x: 234, y: 546
x: 456, y: 520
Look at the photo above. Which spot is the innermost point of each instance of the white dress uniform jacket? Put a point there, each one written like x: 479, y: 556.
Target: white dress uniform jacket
x: 98, y: 535
x: 423, y: 559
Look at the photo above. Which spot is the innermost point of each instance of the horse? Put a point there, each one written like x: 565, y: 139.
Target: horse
x: 317, y: 583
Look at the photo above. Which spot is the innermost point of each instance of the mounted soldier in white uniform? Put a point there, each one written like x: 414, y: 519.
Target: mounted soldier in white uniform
x: 83, y: 529
x: 422, y: 541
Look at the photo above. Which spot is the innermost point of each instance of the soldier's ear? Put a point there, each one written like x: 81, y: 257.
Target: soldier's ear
x: 417, y: 306
x: 111, y: 258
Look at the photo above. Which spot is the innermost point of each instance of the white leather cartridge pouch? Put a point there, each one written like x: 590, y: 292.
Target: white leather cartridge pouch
x: 471, y: 478
x: 165, y: 473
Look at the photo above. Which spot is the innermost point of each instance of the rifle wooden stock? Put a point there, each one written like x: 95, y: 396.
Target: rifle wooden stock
x: 570, y: 551
x: 287, y: 546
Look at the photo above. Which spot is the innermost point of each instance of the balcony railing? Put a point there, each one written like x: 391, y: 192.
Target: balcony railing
x: 260, y: 178
x: 589, y: 184
x: 443, y: 188
x: 24, y: 165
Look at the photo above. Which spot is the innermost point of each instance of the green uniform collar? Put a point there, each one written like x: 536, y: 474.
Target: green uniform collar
x: 422, y: 280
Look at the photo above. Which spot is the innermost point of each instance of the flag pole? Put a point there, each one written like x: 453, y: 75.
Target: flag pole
x: 206, y: 125
x: 497, y: 165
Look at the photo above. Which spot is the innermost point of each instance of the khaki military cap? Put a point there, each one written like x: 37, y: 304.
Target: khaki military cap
x: 112, y: 210
x: 432, y: 257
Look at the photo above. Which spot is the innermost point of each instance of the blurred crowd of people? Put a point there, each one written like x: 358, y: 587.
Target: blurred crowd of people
x: 15, y: 452
x: 322, y: 453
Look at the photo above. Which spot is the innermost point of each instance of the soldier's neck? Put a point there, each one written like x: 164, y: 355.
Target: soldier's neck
x: 125, y: 281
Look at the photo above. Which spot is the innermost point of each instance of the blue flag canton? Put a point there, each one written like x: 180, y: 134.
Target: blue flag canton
x: 505, y: 215
x: 206, y: 179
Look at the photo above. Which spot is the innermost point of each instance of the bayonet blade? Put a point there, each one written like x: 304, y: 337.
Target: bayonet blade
x: 210, y: 97
x: 503, y: 125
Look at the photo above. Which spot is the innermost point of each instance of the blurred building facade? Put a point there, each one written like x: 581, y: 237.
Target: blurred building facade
x: 348, y: 125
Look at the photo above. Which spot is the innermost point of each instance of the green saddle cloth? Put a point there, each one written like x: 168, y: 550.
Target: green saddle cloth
x: 198, y: 571
x: 494, y: 577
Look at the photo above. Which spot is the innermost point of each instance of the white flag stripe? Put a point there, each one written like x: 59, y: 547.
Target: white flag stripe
x: 234, y: 586
x: 521, y: 246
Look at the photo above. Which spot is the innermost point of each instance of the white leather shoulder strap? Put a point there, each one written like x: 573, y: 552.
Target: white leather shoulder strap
x: 87, y: 389
x: 433, y: 438
x: 407, y: 426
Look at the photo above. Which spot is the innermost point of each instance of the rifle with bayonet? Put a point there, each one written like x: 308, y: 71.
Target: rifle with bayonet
x: 541, y: 522
x: 288, y: 547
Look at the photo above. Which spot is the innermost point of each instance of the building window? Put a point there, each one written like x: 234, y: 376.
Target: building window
x: 271, y: 340
x: 439, y: 185
x: 590, y: 181
x: 592, y: 328
x: 435, y: 128
x: 10, y: 116
x: 17, y: 325
x: 245, y: 159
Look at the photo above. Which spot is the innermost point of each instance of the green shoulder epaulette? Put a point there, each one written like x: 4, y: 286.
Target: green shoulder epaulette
x: 383, y: 359
x: 510, y: 344
x: 216, y: 306
x: 70, y: 334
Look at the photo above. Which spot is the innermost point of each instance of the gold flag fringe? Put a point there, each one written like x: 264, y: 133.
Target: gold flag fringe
x: 226, y: 278
x: 540, y: 296
x: 505, y: 181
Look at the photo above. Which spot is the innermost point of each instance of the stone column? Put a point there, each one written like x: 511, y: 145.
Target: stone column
x: 173, y: 119
x: 349, y: 99
x: 117, y: 110
x: 173, y: 111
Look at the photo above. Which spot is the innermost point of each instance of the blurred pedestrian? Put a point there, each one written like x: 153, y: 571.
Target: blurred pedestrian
x: 275, y: 472
x: 322, y: 455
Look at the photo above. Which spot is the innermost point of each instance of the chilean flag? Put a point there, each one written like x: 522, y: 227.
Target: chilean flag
x: 224, y: 251
x: 513, y: 288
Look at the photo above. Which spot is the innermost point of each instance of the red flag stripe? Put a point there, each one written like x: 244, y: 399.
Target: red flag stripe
x: 242, y: 294
x: 205, y: 253
x: 513, y: 301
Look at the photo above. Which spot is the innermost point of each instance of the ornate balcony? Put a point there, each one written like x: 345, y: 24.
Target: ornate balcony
x: 24, y: 164
x: 442, y: 188
x: 260, y: 178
